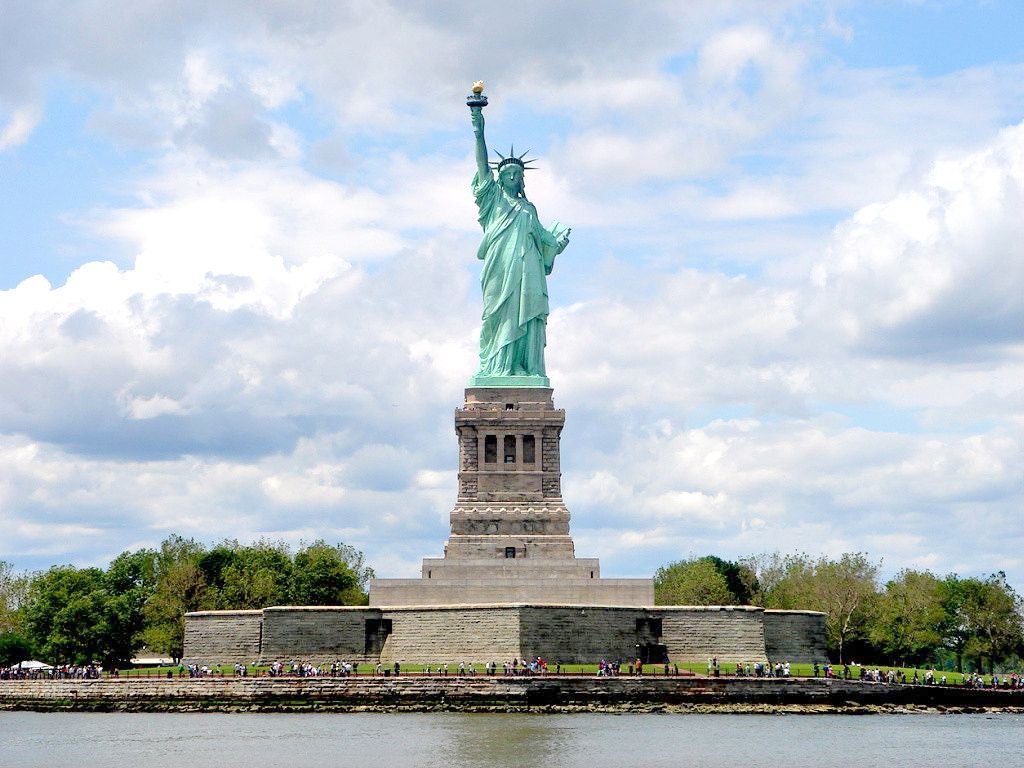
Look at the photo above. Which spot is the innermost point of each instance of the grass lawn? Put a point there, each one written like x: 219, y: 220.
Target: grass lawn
x: 807, y: 670
x: 656, y: 670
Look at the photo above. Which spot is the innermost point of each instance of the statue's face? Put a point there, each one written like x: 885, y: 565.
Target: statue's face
x: 511, y: 178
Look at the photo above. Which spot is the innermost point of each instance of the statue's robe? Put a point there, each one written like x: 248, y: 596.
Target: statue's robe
x: 517, y: 253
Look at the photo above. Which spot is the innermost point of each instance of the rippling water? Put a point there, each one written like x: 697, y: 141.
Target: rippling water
x: 29, y: 739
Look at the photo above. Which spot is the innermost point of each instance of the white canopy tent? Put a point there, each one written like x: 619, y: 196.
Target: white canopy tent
x: 31, y: 665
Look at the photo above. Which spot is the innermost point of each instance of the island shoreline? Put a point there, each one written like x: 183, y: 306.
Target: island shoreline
x: 485, y: 694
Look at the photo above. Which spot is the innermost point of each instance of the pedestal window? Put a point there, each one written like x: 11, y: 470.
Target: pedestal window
x: 529, y: 449
x: 510, y: 449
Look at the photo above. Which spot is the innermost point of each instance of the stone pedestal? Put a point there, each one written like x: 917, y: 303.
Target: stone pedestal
x: 510, y: 477
x: 509, y: 540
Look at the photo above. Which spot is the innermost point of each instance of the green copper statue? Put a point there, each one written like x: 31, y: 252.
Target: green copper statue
x: 518, y: 253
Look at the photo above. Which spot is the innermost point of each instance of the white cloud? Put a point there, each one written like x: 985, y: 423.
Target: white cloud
x: 939, y: 269
x: 752, y: 201
x: 151, y: 407
x: 19, y: 126
x: 740, y: 487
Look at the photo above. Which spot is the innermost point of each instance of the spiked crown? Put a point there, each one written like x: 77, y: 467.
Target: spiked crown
x: 512, y: 158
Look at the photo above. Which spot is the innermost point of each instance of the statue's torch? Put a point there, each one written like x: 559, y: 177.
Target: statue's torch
x: 477, y: 98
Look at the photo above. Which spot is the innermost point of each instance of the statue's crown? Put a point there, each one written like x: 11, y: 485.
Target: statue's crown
x: 512, y: 158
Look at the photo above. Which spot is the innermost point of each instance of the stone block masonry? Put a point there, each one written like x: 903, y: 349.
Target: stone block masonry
x: 493, y: 694
x: 574, y: 633
x: 225, y: 637
x: 795, y: 636
x: 730, y: 633
x: 579, y: 634
x: 452, y: 634
x: 321, y: 634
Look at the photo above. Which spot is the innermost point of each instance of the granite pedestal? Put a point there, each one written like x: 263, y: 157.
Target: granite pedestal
x: 510, y: 540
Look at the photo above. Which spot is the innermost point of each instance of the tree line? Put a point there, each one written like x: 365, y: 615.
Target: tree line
x: 914, y: 619
x: 79, y: 615
x: 69, y: 615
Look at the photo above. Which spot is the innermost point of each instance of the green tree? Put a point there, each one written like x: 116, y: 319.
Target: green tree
x: 993, y: 612
x: 321, y: 576
x: 692, y: 582
x: 845, y: 589
x: 76, y: 615
x: 782, y: 582
x: 214, y: 564
x: 14, y: 648
x: 13, y: 594
x: 909, y: 618
x: 957, y: 631
x: 66, y: 614
x: 258, y: 576
x: 179, y: 587
x: 356, y: 562
x: 739, y: 578
x: 131, y: 582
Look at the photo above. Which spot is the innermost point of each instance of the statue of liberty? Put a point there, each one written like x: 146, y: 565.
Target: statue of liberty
x: 518, y: 253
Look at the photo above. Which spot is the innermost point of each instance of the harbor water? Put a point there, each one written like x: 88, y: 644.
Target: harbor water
x: 450, y: 740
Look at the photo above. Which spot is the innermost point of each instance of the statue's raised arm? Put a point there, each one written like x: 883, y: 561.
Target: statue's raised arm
x: 476, y: 101
x: 518, y: 254
x: 482, y: 168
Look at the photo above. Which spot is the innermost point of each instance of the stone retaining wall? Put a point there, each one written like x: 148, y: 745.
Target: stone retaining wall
x: 436, y: 635
x: 223, y: 637
x: 795, y: 636
x: 730, y: 633
x: 581, y: 633
x: 317, y: 634
x: 578, y: 634
x: 418, y: 692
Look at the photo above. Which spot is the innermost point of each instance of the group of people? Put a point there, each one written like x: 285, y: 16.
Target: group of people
x: 1013, y: 681
x: 536, y: 666
x: 635, y: 668
x: 755, y: 669
x: 306, y: 669
x: 763, y: 669
x: 64, y: 672
x: 900, y: 676
x: 930, y: 677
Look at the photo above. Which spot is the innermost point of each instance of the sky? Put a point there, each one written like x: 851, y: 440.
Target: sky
x: 239, y: 296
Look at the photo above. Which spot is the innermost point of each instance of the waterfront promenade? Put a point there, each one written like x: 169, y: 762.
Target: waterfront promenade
x: 487, y: 694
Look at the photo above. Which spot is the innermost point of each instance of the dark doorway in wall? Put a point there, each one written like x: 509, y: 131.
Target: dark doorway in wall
x: 377, y: 631
x: 649, y: 648
x: 653, y: 653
